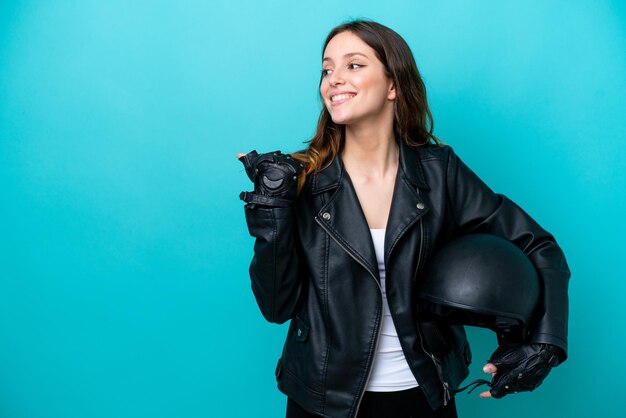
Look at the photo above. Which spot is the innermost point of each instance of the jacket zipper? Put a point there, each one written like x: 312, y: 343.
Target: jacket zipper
x: 446, y: 387
x: 382, y: 302
x: 420, y: 250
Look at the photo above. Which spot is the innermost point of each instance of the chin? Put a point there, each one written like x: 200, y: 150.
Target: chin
x: 340, y: 119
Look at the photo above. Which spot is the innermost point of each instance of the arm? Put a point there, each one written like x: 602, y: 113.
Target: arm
x: 269, y: 211
x: 274, y: 269
x: 476, y: 208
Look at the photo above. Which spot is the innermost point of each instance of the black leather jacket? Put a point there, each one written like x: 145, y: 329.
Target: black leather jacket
x: 314, y: 264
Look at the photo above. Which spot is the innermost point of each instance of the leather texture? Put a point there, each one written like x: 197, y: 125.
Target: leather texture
x: 522, y: 368
x: 275, y: 178
x: 482, y: 280
x: 314, y: 264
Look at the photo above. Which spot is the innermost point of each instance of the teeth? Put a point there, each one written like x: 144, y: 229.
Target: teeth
x: 341, y: 97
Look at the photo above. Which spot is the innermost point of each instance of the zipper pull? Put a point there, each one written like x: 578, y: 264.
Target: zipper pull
x: 446, y: 393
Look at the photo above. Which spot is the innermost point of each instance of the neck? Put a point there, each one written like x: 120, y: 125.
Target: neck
x: 370, y: 154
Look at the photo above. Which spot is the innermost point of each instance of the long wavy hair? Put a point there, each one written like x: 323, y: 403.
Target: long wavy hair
x: 413, y: 121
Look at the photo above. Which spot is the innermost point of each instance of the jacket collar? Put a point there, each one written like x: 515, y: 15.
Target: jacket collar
x: 342, y: 217
x: 331, y: 176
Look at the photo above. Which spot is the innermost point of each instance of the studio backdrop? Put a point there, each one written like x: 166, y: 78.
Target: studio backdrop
x: 124, y: 253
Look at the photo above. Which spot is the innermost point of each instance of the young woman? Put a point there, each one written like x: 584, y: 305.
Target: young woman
x: 343, y: 229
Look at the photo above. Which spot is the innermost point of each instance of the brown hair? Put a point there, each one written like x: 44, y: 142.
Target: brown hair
x: 413, y: 122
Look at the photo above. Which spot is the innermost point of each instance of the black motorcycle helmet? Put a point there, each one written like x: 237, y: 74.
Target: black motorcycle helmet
x: 485, y: 281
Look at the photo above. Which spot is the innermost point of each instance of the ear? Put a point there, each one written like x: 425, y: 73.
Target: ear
x: 391, y: 94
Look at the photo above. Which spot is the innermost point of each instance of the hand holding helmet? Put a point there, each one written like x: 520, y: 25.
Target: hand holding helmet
x: 275, y: 178
x: 486, y: 281
x: 521, y: 368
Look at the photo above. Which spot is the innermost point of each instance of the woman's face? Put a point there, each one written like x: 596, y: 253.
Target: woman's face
x: 354, y: 86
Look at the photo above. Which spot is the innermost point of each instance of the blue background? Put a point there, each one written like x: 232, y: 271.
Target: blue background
x: 123, y: 247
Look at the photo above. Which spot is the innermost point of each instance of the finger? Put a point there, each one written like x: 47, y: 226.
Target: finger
x: 240, y: 155
x: 489, y: 368
x: 485, y: 395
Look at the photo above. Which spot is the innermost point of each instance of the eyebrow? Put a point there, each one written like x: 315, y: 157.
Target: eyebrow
x: 349, y: 54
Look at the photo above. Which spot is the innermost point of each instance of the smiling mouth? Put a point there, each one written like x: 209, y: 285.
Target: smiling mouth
x: 341, y: 98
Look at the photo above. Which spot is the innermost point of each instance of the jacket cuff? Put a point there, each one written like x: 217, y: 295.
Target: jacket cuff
x: 553, y: 340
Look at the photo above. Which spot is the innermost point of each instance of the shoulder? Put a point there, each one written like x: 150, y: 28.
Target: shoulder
x: 440, y: 155
x: 434, y: 152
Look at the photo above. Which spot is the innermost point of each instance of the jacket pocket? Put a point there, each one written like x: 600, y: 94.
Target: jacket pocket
x: 455, y: 363
x: 302, y: 362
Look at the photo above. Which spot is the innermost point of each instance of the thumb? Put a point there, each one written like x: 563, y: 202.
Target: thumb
x: 248, y: 161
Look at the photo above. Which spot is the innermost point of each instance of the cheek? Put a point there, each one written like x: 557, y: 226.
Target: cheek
x: 323, y: 87
x: 378, y: 87
x: 324, y: 92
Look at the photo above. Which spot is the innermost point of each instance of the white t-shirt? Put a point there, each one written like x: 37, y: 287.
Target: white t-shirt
x: 390, y: 370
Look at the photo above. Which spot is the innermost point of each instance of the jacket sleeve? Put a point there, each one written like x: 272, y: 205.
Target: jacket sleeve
x: 477, y: 209
x: 274, y: 269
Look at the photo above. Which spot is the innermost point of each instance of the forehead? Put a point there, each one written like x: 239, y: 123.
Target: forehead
x: 347, y: 43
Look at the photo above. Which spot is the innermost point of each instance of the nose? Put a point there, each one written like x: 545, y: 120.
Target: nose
x: 335, y: 78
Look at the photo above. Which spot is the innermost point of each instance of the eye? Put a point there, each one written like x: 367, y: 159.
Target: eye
x: 326, y: 72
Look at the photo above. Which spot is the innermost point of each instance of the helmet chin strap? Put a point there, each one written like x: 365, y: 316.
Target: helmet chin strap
x: 476, y: 383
